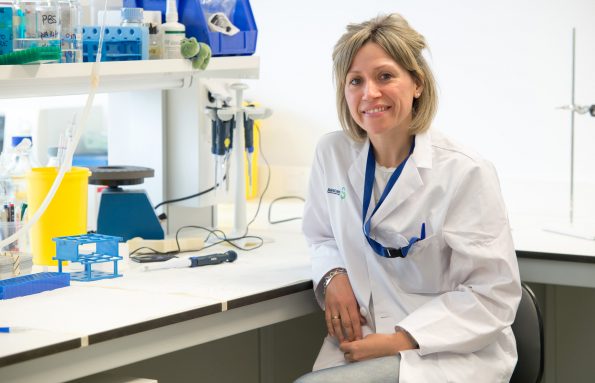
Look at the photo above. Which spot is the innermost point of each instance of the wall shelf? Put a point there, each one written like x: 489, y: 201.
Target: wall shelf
x: 17, y: 81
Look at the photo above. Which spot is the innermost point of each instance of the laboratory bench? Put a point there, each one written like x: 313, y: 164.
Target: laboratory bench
x: 92, y: 327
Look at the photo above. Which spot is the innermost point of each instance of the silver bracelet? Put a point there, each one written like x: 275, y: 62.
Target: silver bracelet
x: 328, y: 277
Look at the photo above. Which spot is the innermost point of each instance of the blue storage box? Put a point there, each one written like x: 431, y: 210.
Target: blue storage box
x: 192, y: 16
x: 119, y: 43
x: 32, y: 284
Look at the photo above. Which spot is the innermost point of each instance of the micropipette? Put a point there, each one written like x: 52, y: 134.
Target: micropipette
x: 249, y: 138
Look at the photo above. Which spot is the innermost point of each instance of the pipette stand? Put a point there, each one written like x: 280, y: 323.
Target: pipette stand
x: 237, y: 154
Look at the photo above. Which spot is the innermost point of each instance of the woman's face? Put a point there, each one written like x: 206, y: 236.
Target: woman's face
x: 379, y: 92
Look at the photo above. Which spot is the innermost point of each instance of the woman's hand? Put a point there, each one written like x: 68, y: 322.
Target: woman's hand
x: 376, y: 346
x: 343, y: 319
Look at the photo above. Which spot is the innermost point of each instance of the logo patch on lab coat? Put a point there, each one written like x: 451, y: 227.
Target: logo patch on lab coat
x: 341, y: 193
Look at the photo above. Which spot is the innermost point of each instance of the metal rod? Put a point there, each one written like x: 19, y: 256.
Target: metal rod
x: 572, y: 127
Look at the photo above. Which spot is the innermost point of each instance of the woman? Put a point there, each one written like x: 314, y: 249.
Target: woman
x: 412, y: 255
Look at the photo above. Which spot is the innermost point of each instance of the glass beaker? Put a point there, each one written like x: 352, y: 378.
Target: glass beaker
x: 71, y: 31
x: 36, y: 23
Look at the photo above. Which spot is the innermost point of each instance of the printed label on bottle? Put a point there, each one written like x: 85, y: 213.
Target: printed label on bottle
x: 172, y: 43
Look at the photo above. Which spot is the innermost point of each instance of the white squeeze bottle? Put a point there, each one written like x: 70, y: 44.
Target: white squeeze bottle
x: 173, y: 32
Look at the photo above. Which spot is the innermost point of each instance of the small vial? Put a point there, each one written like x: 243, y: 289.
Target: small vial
x: 153, y: 20
x: 155, y: 43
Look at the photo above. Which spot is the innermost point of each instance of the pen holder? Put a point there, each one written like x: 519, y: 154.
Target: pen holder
x: 66, y: 214
x: 9, y: 228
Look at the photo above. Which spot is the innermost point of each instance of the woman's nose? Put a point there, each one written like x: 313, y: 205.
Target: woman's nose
x: 371, y: 90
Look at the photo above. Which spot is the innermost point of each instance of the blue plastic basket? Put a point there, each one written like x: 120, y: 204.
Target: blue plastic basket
x: 32, y: 284
x: 191, y: 15
x: 119, y: 43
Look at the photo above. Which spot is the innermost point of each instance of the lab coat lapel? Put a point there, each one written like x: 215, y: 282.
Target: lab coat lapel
x: 356, y: 172
x: 410, y: 179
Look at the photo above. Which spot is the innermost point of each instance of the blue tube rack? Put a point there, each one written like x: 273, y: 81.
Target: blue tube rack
x: 106, y: 250
x: 32, y: 284
x: 119, y: 43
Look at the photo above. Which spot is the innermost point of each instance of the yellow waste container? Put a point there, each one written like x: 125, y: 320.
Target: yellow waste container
x: 65, y: 215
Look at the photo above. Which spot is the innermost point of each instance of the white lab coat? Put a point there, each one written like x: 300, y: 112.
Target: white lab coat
x: 456, y: 292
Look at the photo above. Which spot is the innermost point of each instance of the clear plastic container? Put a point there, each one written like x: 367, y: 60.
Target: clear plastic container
x: 8, y: 228
x: 35, y: 24
x: 71, y: 31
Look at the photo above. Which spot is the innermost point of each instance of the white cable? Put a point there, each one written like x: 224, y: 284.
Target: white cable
x: 71, y: 146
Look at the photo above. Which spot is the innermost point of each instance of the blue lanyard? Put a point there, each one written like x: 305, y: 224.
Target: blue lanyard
x: 368, y: 187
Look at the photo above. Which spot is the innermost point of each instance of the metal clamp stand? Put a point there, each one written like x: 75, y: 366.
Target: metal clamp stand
x: 571, y: 229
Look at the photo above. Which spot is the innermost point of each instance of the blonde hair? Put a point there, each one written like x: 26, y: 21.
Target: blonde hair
x: 404, y: 45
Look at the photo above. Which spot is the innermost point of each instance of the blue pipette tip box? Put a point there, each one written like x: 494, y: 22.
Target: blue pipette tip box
x: 32, y: 284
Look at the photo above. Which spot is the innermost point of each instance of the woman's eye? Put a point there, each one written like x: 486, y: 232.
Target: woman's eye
x: 386, y: 76
x: 355, y: 81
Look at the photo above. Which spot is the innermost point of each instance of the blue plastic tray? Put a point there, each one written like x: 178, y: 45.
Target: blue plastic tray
x: 191, y: 15
x: 32, y: 284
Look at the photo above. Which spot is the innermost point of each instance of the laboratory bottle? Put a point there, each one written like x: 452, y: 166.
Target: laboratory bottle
x: 21, y: 166
x: 6, y: 187
x: 153, y: 20
x: 53, y: 157
x: 71, y: 31
x: 173, y: 32
x: 36, y: 23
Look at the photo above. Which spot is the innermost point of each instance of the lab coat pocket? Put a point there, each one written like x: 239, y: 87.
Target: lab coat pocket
x: 423, y: 269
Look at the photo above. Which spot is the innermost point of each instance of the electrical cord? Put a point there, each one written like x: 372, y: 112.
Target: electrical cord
x: 219, y: 234
x: 190, y: 196
x: 286, y: 219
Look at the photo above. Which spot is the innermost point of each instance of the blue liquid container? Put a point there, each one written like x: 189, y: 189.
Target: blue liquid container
x: 5, y: 29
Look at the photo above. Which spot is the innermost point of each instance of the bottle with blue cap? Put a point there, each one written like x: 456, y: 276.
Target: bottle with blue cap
x: 132, y: 17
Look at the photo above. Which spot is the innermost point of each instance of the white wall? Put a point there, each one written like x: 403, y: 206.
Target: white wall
x: 502, y: 68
